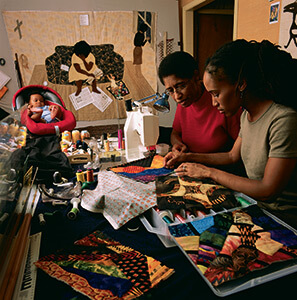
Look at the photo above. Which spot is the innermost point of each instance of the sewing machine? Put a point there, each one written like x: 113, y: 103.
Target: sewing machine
x: 141, y: 131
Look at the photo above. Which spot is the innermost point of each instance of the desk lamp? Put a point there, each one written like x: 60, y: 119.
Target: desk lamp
x: 161, y: 102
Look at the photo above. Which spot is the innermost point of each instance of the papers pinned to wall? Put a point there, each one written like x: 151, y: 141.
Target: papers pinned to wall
x: 101, y: 101
x: 3, y: 79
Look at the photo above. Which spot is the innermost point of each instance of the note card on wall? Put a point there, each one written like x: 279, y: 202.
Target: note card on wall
x: 3, y: 79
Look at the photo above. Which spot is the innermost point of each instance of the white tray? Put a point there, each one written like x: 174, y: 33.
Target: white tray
x: 154, y: 224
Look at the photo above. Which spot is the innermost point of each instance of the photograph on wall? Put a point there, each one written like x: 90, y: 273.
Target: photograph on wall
x: 274, y: 13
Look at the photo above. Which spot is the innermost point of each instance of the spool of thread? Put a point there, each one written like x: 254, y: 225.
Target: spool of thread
x: 243, y: 202
x: 64, y: 147
x: 75, y: 136
x: 179, y: 217
x: 13, y: 129
x: 41, y: 219
x: 3, y: 218
x: 80, y: 176
x: 3, y: 128
x: 120, y: 138
x: 66, y: 135
x: 90, y: 175
x: 74, y: 211
x: 106, y: 145
x: 165, y: 215
x: 84, y: 134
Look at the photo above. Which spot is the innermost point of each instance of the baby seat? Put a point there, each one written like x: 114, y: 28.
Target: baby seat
x: 21, y: 97
x: 42, y: 148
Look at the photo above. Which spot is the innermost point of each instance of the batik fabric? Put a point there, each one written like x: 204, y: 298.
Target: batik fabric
x: 175, y: 193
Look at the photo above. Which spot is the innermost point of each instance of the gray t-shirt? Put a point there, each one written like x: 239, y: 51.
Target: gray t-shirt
x: 274, y: 134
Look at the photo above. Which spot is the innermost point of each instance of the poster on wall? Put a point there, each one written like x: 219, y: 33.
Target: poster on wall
x: 288, y: 27
x: 274, y: 13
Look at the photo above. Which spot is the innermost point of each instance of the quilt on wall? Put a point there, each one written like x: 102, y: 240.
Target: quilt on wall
x: 45, y: 31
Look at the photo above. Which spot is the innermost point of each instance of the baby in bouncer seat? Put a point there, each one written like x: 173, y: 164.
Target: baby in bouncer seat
x: 39, y: 112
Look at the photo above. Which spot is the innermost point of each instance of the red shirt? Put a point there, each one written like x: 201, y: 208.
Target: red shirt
x: 204, y: 129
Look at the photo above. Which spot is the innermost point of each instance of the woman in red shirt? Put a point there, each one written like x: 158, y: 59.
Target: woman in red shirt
x: 198, y: 126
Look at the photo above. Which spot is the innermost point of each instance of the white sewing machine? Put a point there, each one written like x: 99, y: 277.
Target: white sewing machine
x: 141, y: 131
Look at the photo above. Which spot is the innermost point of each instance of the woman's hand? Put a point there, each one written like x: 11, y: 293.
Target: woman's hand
x: 179, y: 147
x: 193, y: 170
x: 172, y: 158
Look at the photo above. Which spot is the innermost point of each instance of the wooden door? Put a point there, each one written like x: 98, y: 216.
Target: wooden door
x: 210, y: 32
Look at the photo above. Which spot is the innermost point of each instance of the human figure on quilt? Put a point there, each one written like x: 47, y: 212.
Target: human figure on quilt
x: 83, y: 67
x: 39, y: 112
x: 198, y: 127
x: 139, y: 41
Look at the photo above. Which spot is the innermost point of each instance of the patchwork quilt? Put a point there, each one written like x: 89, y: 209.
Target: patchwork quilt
x: 102, y: 268
x: 236, y: 244
x: 144, y: 170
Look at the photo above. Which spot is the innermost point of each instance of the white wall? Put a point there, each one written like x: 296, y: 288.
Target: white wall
x: 167, y: 20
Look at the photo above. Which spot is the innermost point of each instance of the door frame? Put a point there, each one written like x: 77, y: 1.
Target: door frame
x: 188, y: 22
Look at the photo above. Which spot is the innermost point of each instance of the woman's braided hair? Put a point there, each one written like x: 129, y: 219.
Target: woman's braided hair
x: 268, y: 71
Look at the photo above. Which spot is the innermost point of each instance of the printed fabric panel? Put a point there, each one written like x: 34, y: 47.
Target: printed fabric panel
x: 120, y: 199
x: 175, y: 193
x: 101, y: 268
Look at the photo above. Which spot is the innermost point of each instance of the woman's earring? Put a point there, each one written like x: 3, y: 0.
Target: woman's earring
x: 241, y: 94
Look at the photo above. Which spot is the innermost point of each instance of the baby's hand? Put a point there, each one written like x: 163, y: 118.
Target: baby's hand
x: 35, y: 109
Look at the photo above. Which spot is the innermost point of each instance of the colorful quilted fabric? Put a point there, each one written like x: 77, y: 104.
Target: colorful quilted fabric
x: 84, y: 267
x: 143, y: 170
x: 175, y: 193
x: 238, y: 243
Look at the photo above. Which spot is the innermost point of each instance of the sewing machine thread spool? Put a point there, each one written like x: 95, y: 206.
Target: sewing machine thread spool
x: 3, y: 218
x: 106, y: 145
x: 120, y: 138
x: 66, y: 135
x: 75, y: 136
x: 84, y: 134
x: 72, y: 214
x: 41, y: 219
x: 80, y: 176
x: 165, y: 215
x: 90, y: 175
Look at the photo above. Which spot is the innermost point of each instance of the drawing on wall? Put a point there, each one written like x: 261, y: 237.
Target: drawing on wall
x: 274, y: 13
x: 288, y: 27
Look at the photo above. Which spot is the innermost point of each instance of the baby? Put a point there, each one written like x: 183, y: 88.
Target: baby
x: 39, y: 112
